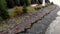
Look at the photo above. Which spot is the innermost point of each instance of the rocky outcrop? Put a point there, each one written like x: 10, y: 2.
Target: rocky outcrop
x: 28, y: 21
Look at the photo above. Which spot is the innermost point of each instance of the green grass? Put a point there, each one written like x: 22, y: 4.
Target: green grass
x: 30, y: 10
x: 3, y: 26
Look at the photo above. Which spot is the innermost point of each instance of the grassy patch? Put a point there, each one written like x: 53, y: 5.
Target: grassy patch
x: 19, y: 10
x: 38, y: 7
x: 3, y: 26
x: 30, y: 9
x: 15, y: 11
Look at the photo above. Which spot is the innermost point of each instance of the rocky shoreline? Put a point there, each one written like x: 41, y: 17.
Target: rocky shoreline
x: 28, y: 21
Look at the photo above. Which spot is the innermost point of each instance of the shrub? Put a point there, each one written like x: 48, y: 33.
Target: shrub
x: 52, y: 3
x: 3, y: 10
x: 29, y: 2
x: 24, y: 9
x: 19, y: 10
x: 10, y: 3
x: 1, y: 19
x: 37, y: 8
x: 17, y: 2
x: 43, y: 6
x: 30, y: 9
x: 12, y: 14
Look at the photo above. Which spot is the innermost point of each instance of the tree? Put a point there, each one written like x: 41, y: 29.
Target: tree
x: 37, y: 1
x: 40, y: 1
x: 3, y: 10
x: 33, y: 1
x: 29, y: 2
x: 10, y: 3
x: 22, y: 2
x: 24, y: 9
x: 17, y: 2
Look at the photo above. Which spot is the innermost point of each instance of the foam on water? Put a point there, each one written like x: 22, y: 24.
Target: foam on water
x: 57, y: 2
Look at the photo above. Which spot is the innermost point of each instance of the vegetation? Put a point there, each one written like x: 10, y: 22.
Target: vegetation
x: 38, y: 7
x: 52, y: 3
x: 4, y: 26
x: 10, y: 3
x: 29, y: 2
x: 18, y: 8
x: 31, y: 9
x: 4, y: 4
x: 3, y: 10
x: 24, y: 9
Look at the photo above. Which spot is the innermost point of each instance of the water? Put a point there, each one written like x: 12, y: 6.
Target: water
x: 57, y: 2
x: 54, y: 27
x: 43, y: 4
